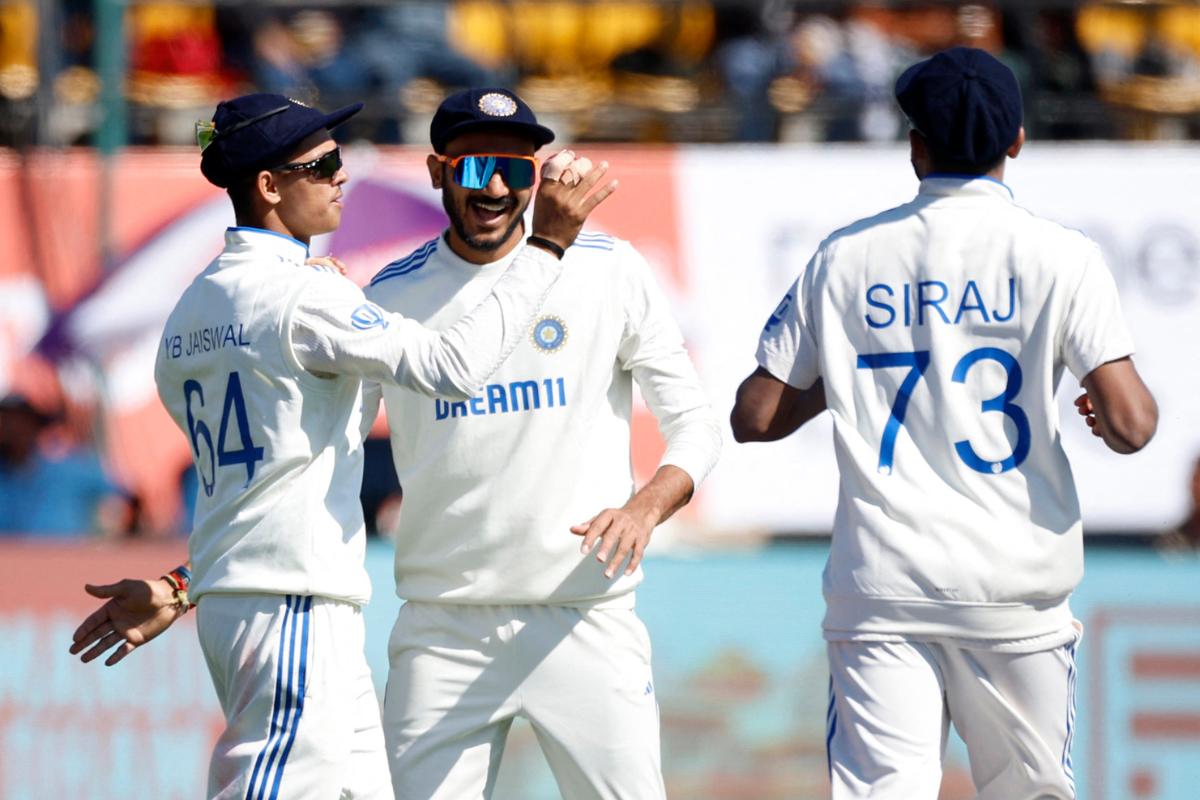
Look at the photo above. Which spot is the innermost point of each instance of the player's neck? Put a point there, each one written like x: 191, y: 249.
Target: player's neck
x: 271, y: 222
x: 928, y: 171
x: 482, y: 257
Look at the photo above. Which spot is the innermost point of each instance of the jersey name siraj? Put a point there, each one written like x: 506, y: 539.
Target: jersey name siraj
x: 205, y: 340
x: 938, y: 303
x: 501, y: 398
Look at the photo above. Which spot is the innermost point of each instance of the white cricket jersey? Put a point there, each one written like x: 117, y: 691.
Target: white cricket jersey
x: 492, y: 484
x: 261, y: 365
x: 941, y: 329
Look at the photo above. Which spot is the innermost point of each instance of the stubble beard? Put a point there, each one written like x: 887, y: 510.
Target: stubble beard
x: 459, y: 224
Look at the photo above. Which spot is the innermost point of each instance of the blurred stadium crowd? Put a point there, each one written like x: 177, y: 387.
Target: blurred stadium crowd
x: 598, y: 70
x: 609, y: 70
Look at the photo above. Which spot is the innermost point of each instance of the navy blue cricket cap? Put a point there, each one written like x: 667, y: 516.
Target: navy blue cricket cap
x: 260, y: 131
x: 490, y: 109
x: 965, y: 103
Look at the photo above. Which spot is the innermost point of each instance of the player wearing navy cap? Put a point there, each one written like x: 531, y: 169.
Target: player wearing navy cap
x: 261, y: 366
x: 936, y: 333
x: 506, y: 615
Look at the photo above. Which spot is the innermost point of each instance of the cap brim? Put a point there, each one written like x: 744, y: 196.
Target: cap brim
x: 341, y: 115
x: 328, y: 122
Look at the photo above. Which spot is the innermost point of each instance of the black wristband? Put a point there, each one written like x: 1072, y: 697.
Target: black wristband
x: 546, y: 244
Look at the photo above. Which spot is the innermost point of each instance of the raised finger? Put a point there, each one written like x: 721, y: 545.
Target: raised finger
x: 553, y: 167
x: 592, y: 177
x: 94, y: 635
x: 639, y: 550
x: 96, y: 619
x: 599, y: 197
x: 599, y: 525
x: 608, y: 542
x: 120, y: 653
x: 101, y: 646
x: 580, y: 167
x: 623, y: 548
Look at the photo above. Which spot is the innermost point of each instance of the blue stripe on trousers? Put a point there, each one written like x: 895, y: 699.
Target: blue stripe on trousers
x: 299, y: 699
x: 1072, y: 677
x: 831, y: 727
x: 289, y: 694
x: 275, y: 704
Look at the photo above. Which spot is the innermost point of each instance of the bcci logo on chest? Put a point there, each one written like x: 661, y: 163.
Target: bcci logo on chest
x: 549, y: 334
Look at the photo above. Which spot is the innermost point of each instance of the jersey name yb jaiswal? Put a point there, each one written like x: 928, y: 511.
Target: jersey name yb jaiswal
x: 205, y: 340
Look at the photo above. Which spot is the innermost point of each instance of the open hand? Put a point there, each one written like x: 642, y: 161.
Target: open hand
x: 327, y: 261
x: 135, y: 613
x: 621, y: 533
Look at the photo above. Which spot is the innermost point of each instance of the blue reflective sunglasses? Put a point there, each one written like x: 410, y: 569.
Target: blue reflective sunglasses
x: 474, y: 171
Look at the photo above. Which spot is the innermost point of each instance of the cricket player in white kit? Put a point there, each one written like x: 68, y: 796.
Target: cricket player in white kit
x: 261, y: 366
x: 936, y: 334
x: 505, y: 616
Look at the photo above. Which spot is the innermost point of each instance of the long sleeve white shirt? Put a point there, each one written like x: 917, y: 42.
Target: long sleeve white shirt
x: 260, y: 366
x: 492, y: 484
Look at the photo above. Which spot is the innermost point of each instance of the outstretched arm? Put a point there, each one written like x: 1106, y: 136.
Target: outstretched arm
x: 336, y: 331
x: 767, y: 409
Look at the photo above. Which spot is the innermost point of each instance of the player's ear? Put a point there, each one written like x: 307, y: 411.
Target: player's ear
x: 1015, y: 150
x: 267, y: 188
x: 916, y: 144
x: 435, y: 170
x: 918, y: 154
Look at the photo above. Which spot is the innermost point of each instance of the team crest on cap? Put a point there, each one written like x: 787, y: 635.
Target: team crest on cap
x: 495, y: 104
x: 549, y: 334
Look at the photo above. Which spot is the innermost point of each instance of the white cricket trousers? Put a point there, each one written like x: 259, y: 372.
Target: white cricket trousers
x: 460, y: 674
x: 891, y: 704
x: 301, y: 714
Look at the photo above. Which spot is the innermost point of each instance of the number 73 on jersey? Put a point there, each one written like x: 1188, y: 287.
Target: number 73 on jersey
x: 916, y: 362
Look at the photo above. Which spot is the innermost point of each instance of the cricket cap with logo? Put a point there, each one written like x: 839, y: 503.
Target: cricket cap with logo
x: 485, y: 109
x: 258, y: 131
x: 966, y: 104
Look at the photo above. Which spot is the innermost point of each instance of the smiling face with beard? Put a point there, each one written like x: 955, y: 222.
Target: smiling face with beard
x: 485, y: 224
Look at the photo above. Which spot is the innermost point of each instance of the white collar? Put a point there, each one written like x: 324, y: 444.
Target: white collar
x: 456, y: 261
x: 946, y: 185
x: 261, y: 242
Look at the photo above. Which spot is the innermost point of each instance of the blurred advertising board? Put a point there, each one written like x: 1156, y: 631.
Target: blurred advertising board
x: 141, y: 729
x: 739, y: 671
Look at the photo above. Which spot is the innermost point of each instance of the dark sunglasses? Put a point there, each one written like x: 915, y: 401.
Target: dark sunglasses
x: 474, y: 171
x: 322, y: 168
